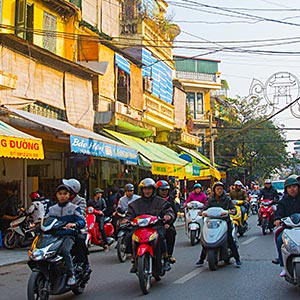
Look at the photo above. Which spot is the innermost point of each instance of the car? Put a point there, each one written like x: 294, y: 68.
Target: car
x: 279, y: 186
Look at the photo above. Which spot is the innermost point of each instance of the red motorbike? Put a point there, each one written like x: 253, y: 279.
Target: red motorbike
x: 146, y: 250
x: 266, y: 213
x: 94, y: 235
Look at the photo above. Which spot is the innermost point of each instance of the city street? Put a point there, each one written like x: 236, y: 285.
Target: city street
x: 258, y: 278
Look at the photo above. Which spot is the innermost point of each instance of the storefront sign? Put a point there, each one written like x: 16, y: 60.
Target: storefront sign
x: 97, y: 148
x: 168, y: 169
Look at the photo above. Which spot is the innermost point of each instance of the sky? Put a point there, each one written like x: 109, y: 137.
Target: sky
x: 253, y: 39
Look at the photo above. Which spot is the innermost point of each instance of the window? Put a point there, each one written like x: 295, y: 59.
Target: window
x: 23, y: 20
x: 123, y: 87
x: 49, y: 37
x: 195, y: 104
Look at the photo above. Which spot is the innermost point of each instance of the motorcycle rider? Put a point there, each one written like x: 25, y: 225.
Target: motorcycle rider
x: 238, y: 193
x: 288, y: 205
x: 66, y: 211
x: 163, y: 190
x: 80, y: 248
x: 219, y: 198
x: 151, y: 204
x: 127, y: 198
x: 99, y: 204
x: 196, y: 195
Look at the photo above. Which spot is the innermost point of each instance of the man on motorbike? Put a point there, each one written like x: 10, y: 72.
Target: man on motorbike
x: 221, y: 199
x: 99, y: 204
x: 127, y: 198
x: 288, y: 205
x: 163, y: 190
x: 238, y: 193
x: 151, y: 204
x: 70, y: 213
x: 80, y: 248
x: 196, y: 195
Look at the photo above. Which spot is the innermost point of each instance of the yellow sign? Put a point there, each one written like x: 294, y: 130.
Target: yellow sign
x: 168, y: 169
x: 21, y: 148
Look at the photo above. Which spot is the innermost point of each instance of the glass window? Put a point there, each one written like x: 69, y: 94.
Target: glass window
x: 123, y: 87
x: 49, y: 38
x: 190, y: 98
x: 195, y: 104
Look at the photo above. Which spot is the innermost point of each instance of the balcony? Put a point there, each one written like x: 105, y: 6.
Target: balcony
x: 196, y: 76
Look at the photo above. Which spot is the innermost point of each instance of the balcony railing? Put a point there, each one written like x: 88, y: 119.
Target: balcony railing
x: 196, y: 76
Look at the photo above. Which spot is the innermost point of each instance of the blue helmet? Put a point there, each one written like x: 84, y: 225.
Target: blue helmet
x: 197, y: 185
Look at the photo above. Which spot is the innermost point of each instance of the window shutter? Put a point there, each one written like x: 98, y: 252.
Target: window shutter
x: 20, y: 19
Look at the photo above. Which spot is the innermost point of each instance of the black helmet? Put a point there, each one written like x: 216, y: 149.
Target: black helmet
x: 218, y: 183
x: 291, y: 181
x: 129, y: 187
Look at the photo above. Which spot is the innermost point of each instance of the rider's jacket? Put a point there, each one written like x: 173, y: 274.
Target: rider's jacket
x: 287, y: 206
x: 124, y: 201
x: 99, y: 205
x: 201, y: 197
x: 238, y: 195
x: 81, y: 202
x: 269, y: 193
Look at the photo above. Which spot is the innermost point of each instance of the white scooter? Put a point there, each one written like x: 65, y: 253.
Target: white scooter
x: 290, y: 249
x: 193, y: 221
x: 214, y: 236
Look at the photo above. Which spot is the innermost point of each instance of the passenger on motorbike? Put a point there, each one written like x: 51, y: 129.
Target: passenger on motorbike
x: 163, y: 190
x: 154, y: 205
x: 238, y: 193
x: 70, y: 213
x: 196, y: 195
x: 221, y: 199
x: 127, y: 198
x: 288, y: 205
x: 36, y: 209
x: 80, y: 248
x: 99, y: 204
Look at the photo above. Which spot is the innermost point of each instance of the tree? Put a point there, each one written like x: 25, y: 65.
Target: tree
x: 248, y: 144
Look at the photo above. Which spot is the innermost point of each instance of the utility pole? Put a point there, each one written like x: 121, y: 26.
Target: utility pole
x: 211, y: 140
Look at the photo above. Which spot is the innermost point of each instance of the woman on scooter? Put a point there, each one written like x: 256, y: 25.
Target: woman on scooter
x: 196, y: 195
x: 220, y: 199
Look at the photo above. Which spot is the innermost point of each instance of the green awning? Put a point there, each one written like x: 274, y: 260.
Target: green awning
x: 128, y: 128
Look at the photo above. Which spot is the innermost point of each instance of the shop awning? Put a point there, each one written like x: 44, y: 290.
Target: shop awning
x: 85, y: 141
x: 17, y: 144
x: 164, y: 161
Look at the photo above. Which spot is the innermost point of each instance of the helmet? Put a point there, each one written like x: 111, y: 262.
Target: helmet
x: 62, y: 187
x: 35, y: 196
x: 268, y: 181
x: 97, y: 190
x: 147, y: 182
x: 197, y: 185
x: 218, y: 183
x: 73, y: 184
x: 162, y: 185
x: 238, y: 182
x: 294, y: 176
x: 291, y: 181
x: 129, y: 187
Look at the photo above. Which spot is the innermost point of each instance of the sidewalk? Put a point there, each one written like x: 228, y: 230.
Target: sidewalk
x: 18, y: 255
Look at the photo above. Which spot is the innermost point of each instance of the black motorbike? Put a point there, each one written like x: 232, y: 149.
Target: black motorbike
x: 49, y: 271
x: 122, y: 230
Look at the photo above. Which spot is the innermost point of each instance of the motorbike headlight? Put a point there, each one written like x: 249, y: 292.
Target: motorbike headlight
x: 290, y: 245
x: 213, y: 224
x: 37, y: 254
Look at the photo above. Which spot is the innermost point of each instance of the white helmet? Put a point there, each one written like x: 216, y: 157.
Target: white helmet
x: 73, y: 184
x: 238, y: 182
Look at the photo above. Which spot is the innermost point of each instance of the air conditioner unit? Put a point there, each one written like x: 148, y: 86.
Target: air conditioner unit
x: 148, y: 84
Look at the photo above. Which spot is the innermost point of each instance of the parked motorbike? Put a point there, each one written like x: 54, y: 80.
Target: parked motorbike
x: 21, y: 232
x: 214, y: 236
x: 123, y: 230
x: 266, y: 215
x: 290, y: 249
x: 94, y: 235
x: 193, y: 221
x: 146, y: 251
x: 49, y: 272
x: 237, y: 218
x: 253, y: 204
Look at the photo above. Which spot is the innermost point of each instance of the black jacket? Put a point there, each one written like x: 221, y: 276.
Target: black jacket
x: 99, y: 205
x: 287, y: 206
x: 270, y: 194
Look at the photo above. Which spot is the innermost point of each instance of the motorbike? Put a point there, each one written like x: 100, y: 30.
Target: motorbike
x: 49, y: 272
x: 193, y: 221
x: 237, y: 218
x: 94, y: 235
x: 254, y: 204
x: 290, y: 249
x: 214, y: 236
x: 266, y: 215
x: 123, y: 230
x: 146, y: 251
x: 21, y: 232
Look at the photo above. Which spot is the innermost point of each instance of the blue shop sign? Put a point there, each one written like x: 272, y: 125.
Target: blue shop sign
x: 97, y: 148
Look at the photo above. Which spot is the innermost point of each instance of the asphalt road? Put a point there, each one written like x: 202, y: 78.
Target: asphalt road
x: 257, y: 279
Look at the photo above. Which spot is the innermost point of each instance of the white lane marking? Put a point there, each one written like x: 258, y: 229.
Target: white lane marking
x: 249, y: 240
x: 189, y: 276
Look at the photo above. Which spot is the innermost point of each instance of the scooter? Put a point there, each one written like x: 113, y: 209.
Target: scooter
x: 94, y: 235
x: 123, y: 230
x: 214, y: 236
x: 254, y: 204
x: 146, y: 251
x: 193, y: 221
x: 237, y: 218
x: 266, y: 215
x: 49, y: 272
x: 290, y: 249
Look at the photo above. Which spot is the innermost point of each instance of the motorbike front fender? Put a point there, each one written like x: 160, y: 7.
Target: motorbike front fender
x: 19, y: 231
x: 144, y: 248
x: 194, y: 226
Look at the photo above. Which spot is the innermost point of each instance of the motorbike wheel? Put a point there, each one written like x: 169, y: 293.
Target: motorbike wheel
x: 297, y: 271
x: 212, y: 259
x: 144, y: 272
x: 264, y: 226
x: 193, y: 237
x: 121, y: 247
x: 35, y: 285
x: 11, y: 240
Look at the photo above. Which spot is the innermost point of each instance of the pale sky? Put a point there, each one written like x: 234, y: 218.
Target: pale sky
x: 257, y: 30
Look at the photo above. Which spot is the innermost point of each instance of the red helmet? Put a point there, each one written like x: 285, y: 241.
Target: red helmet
x: 162, y: 185
x: 35, y: 196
